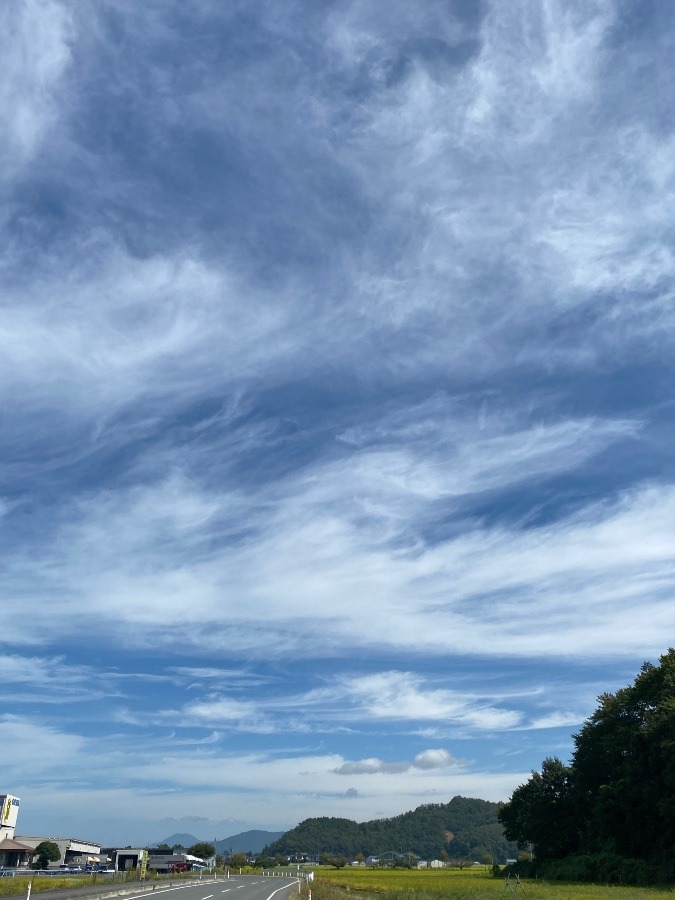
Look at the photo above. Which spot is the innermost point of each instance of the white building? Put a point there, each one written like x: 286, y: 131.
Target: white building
x: 18, y: 851
x: 13, y: 853
x: 73, y: 850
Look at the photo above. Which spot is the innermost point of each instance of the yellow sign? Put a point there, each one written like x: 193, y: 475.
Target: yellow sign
x: 144, y: 863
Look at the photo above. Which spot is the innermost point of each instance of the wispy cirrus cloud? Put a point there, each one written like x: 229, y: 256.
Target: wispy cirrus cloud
x: 347, y: 341
x: 403, y: 696
x: 303, y: 537
x: 221, y: 709
x: 36, y: 55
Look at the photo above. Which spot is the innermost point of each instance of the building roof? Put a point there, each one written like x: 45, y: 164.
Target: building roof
x: 9, y: 844
x: 73, y: 843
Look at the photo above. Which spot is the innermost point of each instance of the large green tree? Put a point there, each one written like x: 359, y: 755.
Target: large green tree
x: 543, y: 813
x: 46, y: 852
x: 624, y: 766
x: 617, y: 797
x: 202, y: 849
x: 237, y: 860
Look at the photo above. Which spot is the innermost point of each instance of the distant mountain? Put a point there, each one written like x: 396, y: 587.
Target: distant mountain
x: 245, y: 842
x: 464, y: 828
x: 185, y: 840
x: 248, y: 841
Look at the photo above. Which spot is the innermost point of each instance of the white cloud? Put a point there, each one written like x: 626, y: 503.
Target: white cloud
x: 451, y: 457
x: 434, y: 759
x: 36, y: 38
x: 401, y: 696
x: 222, y: 709
x: 130, y: 329
x: 30, y: 680
x: 38, y: 749
x: 39, y: 671
x: 535, y: 61
x: 426, y: 760
x: 507, y: 168
x: 371, y: 766
x: 352, y: 534
x: 558, y: 720
x: 305, y: 778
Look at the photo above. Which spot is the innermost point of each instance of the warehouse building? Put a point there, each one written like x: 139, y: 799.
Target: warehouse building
x: 17, y: 851
x: 74, y: 852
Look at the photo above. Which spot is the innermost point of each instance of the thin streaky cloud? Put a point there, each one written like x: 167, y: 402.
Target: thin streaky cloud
x: 336, y: 381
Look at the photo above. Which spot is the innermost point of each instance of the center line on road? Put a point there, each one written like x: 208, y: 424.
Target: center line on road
x: 208, y: 897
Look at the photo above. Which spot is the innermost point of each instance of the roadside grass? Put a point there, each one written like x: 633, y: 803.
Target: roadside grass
x: 18, y: 886
x: 453, y: 884
x: 12, y: 887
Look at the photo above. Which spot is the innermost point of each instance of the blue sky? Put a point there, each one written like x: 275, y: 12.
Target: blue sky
x: 336, y: 360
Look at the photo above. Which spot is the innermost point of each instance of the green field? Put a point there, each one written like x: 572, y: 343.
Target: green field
x: 10, y: 887
x: 453, y: 884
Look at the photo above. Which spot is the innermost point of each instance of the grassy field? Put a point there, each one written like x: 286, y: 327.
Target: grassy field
x: 12, y: 887
x: 453, y: 884
x: 18, y: 886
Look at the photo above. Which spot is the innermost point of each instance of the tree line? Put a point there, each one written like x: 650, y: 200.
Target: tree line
x: 610, y: 814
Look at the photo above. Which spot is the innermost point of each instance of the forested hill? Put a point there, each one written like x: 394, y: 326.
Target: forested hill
x: 463, y: 828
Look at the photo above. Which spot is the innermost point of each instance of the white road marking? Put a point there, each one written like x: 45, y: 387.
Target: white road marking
x: 284, y: 888
x: 181, y: 887
x: 178, y: 887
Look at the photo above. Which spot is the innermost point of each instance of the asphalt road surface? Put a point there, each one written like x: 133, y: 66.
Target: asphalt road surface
x: 237, y: 887
x: 240, y: 887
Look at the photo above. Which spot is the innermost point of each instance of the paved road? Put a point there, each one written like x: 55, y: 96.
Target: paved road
x: 239, y: 887
x: 242, y: 887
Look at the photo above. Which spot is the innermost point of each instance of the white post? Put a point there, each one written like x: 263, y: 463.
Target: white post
x: 30, y: 885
